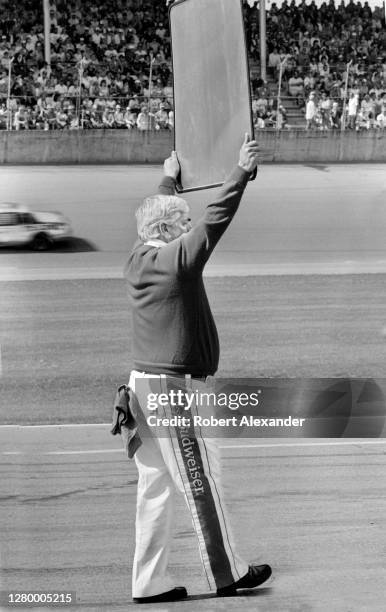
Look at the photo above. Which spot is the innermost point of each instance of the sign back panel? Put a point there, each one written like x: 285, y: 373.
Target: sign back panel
x: 212, y: 100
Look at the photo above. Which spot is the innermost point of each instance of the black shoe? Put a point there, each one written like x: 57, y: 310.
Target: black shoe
x: 173, y: 595
x: 256, y: 575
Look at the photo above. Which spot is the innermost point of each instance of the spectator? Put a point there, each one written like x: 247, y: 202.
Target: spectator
x: 296, y: 86
x: 352, y: 108
x: 134, y: 104
x: 108, y: 117
x: 61, y: 119
x: 119, y: 118
x: 21, y: 118
x: 96, y: 116
x: 335, y: 89
x: 162, y: 118
x: 368, y: 109
x: 114, y: 42
x: 104, y: 91
x: 3, y: 85
x: 309, y: 83
x: 259, y: 122
x: 73, y: 119
x: 381, y: 119
x: 130, y: 118
x: 259, y: 107
x: 3, y: 116
x: 310, y: 111
x: 361, y: 122
x: 145, y: 119
x: 5, y: 60
x: 274, y: 62
x: 277, y: 117
x: 325, y: 109
x: 335, y: 116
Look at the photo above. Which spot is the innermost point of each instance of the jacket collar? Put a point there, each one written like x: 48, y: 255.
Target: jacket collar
x: 155, y: 243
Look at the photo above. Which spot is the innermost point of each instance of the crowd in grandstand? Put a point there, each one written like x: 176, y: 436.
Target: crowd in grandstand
x: 111, y: 66
x: 328, y: 57
x: 109, y: 114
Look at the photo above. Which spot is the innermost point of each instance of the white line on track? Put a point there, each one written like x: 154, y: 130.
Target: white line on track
x: 57, y: 425
x: 75, y: 452
x: 355, y: 442
x: 8, y: 274
x: 301, y: 444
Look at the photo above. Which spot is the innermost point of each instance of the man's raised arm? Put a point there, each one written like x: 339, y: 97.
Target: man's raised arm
x: 192, y: 249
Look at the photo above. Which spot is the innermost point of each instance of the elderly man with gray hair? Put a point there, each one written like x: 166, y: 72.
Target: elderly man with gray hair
x: 176, y: 349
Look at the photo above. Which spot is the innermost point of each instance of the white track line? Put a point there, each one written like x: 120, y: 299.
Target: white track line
x: 76, y: 452
x: 355, y: 442
x: 57, y: 425
x: 303, y: 268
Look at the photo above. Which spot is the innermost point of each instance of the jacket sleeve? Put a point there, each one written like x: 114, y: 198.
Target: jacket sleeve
x: 167, y: 186
x: 189, y: 253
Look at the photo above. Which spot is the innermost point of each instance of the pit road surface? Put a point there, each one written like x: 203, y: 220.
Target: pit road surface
x: 313, y: 509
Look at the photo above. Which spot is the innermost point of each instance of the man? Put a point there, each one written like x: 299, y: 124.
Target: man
x: 145, y: 119
x: 296, y: 86
x: 381, y: 119
x: 175, y: 348
x: 108, y: 117
x: 274, y: 62
x: 367, y: 108
x: 21, y: 120
x: 119, y: 117
x: 352, y: 108
x: 325, y: 110
x: 162, y: 118
x: 335, y: 116
x: 310, y: 111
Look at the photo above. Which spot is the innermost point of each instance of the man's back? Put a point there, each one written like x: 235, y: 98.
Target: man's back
x: 173, y: 327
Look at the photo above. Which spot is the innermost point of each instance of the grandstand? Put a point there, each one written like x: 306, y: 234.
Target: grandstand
x: 110, y: 65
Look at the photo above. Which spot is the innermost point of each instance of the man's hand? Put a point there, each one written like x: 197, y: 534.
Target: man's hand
x: 249, y: 154
x: 172, y: 166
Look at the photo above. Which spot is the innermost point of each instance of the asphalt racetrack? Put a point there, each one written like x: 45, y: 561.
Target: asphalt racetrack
x: 298, y: 290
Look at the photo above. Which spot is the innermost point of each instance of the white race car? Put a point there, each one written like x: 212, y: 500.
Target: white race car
x: 39, y: 230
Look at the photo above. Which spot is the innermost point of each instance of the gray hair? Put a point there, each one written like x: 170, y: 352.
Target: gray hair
x: 156, y: 210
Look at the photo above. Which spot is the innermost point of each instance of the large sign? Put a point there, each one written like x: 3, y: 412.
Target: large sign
x: 212, y: 101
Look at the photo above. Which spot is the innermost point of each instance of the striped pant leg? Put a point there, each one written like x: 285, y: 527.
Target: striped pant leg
x: 155, y: 505
x: 194, y: 464
x: 154, y: 521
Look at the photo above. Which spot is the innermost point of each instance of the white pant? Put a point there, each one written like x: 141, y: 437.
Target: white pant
x: 174, y: 459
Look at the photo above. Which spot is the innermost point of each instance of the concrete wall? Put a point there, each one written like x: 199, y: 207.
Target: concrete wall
x: 315, y: 146
x: 122, y: 146
x: 84, y: 147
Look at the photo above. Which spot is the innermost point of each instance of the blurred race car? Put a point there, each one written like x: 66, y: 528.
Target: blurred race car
x: 39, y: 230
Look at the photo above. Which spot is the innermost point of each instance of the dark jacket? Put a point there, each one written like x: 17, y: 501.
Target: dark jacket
x: 173, y: 328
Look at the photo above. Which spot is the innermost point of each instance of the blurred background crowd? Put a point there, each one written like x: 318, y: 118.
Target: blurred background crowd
x: 111, y: 65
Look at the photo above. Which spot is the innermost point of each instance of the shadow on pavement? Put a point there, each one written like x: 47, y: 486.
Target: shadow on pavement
x: 74, y: 245
x: 70, y: 245
x: 243, y: 593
